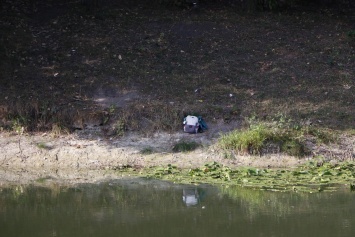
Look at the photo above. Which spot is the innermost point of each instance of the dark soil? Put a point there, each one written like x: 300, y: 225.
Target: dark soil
x: 134, y: 65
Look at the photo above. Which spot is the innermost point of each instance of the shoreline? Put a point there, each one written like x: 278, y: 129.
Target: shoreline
x: 86, y: 158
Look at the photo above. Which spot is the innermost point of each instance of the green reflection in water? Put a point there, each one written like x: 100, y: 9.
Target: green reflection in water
x: 154, y: 208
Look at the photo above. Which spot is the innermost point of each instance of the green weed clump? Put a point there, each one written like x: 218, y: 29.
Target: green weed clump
x: 293, y: 148
x: 250, y: 140
x: 185, y: 146
x: 322, y: 135
x: 288, y: 137
x: 351, y: 33
x: 43, y: 145
x: 119, y: 127
x: 147, y: 151
x: 160, y: 172
x: 18, y: 125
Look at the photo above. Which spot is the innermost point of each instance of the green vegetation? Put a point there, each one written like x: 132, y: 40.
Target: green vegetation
x: 18, y: 125
x: 312, y: 177
x: 58, y: 129
x: 351, y: 33
x: 147, y: 151
x: 160, y: 172
x: 43, y: 145
x: 119, y: 128
x: 185, y: 146
x: 250, y: 141
x: 288, y: 137
x: 43, y: 179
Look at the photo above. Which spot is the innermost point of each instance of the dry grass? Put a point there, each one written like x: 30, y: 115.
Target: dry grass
x: 218, y: 63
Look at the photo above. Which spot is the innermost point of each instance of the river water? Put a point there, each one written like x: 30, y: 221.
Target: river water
x: 152, y: 208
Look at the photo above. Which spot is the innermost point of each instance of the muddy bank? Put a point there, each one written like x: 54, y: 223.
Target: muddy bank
x: 88, y: 156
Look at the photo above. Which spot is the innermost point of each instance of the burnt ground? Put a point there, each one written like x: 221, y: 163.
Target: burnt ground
x: 134, y: 66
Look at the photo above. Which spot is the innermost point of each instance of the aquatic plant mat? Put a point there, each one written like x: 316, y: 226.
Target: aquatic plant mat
x: 311, y: 177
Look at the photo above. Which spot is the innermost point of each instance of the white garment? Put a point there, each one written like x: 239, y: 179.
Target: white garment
x: 191, y: 120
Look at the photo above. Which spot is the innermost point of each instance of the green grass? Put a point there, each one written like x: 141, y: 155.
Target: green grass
x: 290, y: 138
x: 42, y: 145
x: 250, y: 140
x: 351, y: 33
x: 119, y: 127
x: 322, y: 135
x: 185, y: 146
x: 147, y: 151
x: 293, y: 147
x: 43, y: 179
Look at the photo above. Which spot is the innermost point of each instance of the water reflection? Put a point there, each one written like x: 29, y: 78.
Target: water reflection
x: 190, y: 196
x: 153, y: 208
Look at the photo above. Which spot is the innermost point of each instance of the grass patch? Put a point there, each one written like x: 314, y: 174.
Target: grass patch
x: 147, y: 151
x: 185, y: 146
x: 119, y: 127
x: 290, y: 138
x: 43, y: 145
x: 293, y: 148
x: 58, y: 129
x: 43, y: 179
x: 322, y: 135
x: 18, y: 125
x: 351, y: 33
x: 351, y: 132
x: 250, y: 140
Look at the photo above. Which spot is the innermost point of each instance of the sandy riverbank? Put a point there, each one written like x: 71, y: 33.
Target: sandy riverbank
x: 86, y: 156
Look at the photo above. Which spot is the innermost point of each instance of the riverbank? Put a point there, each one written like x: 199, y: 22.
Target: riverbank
x: 85, y: 156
